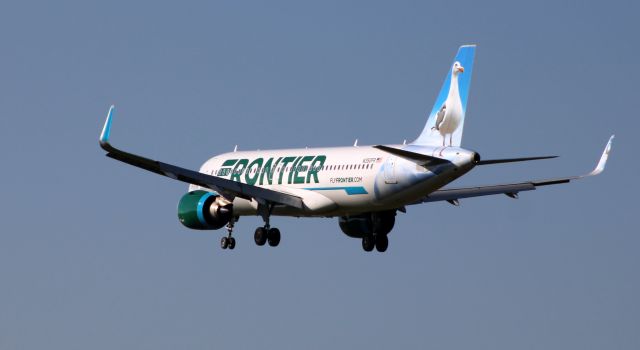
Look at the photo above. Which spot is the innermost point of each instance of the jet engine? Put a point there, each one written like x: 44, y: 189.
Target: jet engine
x: 201, y: 210
x: 357, y: 226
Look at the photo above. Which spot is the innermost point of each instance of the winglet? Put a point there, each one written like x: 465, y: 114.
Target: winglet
x: 603, y: 159
x: 106, y: 130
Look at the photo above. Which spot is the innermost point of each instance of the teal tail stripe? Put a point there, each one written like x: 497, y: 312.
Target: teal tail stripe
x: 351, y: 190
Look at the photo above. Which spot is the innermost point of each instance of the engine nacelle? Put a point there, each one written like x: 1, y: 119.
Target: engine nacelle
x: 357, y: 226
x: 201, y: 211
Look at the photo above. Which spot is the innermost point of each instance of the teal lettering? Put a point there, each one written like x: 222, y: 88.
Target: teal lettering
x: 284, y: 163
x: 269, y: 169
x: 226, y: 170
x: 229, y: 162
x: 316, y: 165
x: 301, y: 168
x: 238, y: 169
x: 295, y: 164
x: 250, y: 177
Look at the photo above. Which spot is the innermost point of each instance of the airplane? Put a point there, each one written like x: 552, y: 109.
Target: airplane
x: 363, y: 186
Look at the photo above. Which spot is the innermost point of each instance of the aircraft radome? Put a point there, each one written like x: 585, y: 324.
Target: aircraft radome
x: 362, y: 186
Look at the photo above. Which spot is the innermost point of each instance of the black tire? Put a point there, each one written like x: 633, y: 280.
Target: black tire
x: 273, y: 237
x: 382, y: 243
x: 224, y: 243
x: 232, y: 242
x: 368, y: 243
x: 260, y: 236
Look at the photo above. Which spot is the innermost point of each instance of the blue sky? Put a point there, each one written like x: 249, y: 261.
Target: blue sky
x: 92, y: 254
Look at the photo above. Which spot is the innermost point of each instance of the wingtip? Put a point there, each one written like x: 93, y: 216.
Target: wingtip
x: 106, y: 129
x: 603, y: 158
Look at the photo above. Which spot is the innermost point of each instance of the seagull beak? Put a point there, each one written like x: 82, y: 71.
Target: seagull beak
x: 461, y: 69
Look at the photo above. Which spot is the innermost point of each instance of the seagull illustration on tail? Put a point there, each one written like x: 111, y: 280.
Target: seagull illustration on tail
x: 450, y: 114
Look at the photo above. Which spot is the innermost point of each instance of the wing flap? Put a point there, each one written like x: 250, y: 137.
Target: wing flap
x: 458, y: 193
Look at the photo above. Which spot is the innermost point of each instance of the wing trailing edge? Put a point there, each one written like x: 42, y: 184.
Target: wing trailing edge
x: 218, y: 184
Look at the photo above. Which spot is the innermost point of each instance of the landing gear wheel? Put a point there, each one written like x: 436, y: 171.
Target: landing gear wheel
x: 368, y: 243
x: 260, y: 236
x: 232, y: 242
x: 382, y: 243
x: 273, y: 237
x: 224, y: 243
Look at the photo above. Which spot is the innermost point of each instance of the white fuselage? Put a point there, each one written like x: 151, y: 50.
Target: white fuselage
x: 340, y: 180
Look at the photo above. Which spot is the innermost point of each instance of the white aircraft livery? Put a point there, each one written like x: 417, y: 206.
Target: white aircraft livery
x: 363, y: 186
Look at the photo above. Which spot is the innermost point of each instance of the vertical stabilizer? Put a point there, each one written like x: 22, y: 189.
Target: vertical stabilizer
x: 446, y: 120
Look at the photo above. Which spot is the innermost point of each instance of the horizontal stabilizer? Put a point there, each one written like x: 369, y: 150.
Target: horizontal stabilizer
x: 418, y: 158
x: 511, y: 190
x: 511, y: 160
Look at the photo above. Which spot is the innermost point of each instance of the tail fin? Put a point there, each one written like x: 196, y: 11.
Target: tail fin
x: 446, y: 121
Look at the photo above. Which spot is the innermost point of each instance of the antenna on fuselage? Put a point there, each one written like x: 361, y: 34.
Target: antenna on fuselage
x: 404, y: 142
x: 355, y: 144
x: 235, y: 149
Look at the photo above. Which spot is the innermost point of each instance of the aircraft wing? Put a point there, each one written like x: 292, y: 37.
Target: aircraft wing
x: 454, y: 194
x: 218, y: 184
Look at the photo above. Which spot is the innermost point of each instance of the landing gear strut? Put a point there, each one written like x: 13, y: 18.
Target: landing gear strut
x: 228, y: 241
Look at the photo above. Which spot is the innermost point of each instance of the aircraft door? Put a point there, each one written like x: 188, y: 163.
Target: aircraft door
x: 390, y: 171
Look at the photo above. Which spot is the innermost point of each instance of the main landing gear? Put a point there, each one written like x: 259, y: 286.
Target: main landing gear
x: 228, y: 241
x: 377, y: 238
x: 379, y: 241
x: 266, y: 233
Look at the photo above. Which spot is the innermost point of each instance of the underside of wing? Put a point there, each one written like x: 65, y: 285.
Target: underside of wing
x: 223, y: 186
x: 452, y: 195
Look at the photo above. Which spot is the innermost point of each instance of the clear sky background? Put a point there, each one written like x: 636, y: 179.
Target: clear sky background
x: 92, y: 255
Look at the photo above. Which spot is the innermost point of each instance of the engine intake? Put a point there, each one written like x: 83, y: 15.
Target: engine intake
x: 199, y: 210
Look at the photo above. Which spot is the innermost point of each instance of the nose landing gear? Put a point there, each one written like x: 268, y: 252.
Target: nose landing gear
x: 228, y: 241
